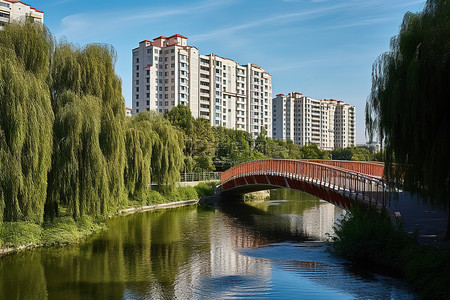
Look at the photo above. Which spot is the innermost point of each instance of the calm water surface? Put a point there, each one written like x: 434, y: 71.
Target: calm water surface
x: 265, y: 249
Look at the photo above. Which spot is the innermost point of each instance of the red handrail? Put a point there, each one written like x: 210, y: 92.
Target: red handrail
x: 370, y: 168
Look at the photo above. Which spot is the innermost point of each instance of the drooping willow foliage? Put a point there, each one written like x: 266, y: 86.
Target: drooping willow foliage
x: 167, y: 153
x: 64, y: 139
x: 90, y: 71
x: 79, y: 178
x: 139, y: 140
x: 26, y: 120
x: 410, y: 101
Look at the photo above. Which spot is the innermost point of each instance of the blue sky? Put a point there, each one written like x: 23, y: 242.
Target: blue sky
x: 323, y: 49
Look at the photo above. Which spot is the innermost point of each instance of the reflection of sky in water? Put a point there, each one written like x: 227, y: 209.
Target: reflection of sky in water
x: 233, y: 251
x: 306, y: 269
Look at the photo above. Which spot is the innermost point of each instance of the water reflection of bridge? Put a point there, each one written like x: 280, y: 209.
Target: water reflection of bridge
x: 338, y: 182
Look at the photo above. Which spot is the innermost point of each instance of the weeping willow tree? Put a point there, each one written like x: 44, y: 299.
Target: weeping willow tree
x: 26, y: 119
x: 79, y: 178
x: 167, y: 151
x: 410, y: 101
x: 88, y: 73
x: 139, y: 141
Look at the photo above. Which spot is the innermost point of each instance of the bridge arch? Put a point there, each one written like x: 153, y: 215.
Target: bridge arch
x: 338, y: 182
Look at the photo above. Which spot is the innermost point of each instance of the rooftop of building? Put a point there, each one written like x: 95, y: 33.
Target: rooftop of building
x: 31, y: 7
x: 162, y: 37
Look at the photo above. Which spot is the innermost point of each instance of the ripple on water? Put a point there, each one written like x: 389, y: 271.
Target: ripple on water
x: 308, y: 270
x: 234, y: 287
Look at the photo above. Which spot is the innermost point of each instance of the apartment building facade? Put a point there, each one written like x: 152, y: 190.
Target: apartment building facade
x: 327, y: 123
x: 167, y: 72
x: 17, y: 11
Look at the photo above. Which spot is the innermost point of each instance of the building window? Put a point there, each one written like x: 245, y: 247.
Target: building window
x: 137, y: 104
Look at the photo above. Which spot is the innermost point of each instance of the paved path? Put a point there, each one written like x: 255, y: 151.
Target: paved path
x: 429, y: 221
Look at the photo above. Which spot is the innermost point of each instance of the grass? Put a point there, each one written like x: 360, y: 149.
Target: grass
x: 63, y: 230
x: 368, y: 237
x: 16, y: 234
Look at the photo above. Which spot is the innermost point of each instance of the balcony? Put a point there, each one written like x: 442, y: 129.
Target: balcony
x: 204, y: 64
x: 204, y: 100
x: 4, y: 20
x: 204, y: 72
x: 203, y: 79
x: 203, y: 94
x: 204, y: 109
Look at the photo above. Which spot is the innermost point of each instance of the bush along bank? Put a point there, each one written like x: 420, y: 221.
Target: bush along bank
x: 367, y: 237
x: 65, y: 230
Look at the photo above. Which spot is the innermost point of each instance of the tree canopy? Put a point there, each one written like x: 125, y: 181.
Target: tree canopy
x: 410, y: 100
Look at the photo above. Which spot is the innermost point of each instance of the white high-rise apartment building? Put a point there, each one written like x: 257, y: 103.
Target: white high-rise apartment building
x: 17, y: 11
x: 167, y: 72
x: 327, y: 123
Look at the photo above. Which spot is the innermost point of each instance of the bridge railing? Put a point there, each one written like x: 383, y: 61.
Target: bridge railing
x: 370, y: 168
x: 199, y: 176
x: 352, y: 184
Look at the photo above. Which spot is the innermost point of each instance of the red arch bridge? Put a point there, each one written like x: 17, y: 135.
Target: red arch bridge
x: 338, y: 182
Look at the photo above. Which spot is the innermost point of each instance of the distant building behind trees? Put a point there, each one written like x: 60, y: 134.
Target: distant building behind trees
x: 327, y: 123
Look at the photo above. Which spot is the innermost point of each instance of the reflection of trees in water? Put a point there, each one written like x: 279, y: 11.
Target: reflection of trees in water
x: 22, y: 277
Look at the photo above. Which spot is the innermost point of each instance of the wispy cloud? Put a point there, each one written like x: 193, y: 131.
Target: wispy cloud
x: 99, y: 22
x: 55, y: 3
x: 355, y: 23
x: 282, y: 18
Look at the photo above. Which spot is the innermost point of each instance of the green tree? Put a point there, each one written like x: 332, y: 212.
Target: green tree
x: 139, y: 141
x: 167, y: 151
x: 199, y: 138
x: 203, y: 146
x: 87, y: 75
x: 26, y: 120
x: 90, y: 71
x: 79, y: 177
x: 410, y: 101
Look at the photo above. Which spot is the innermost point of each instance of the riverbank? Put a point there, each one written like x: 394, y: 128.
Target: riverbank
x: 64, y: 230
x: 368, y: 238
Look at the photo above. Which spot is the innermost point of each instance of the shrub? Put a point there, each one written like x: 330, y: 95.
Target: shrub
x: 205, y: 188
x: 154, y: 197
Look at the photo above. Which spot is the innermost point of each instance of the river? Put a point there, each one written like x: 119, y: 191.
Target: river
x: 263, y: 249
